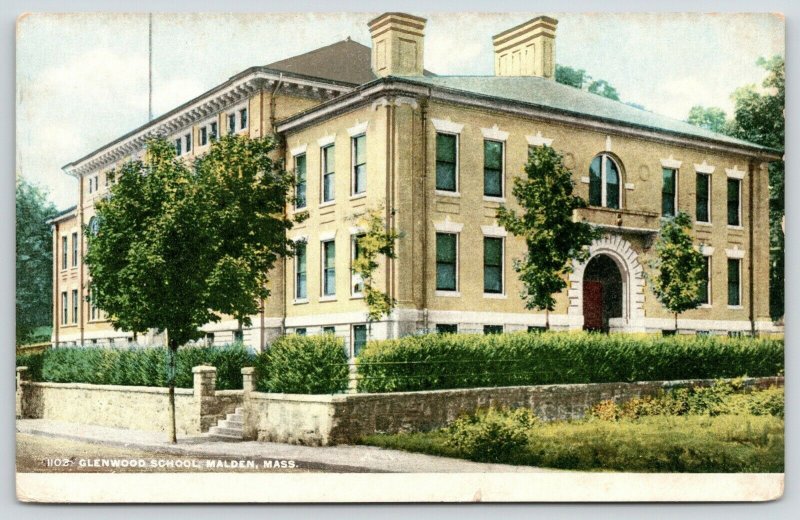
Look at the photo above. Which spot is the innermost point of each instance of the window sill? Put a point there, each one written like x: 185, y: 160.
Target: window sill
x: 301, y: 301
x: 444, y: 193
x: 736, y: 307
x: 326, y: 204
x: 703, y: 224
x: 735, y: 228
x: 705, y: 306
x: 449, y: 294
x: 495, y: 296
x: 357, y: 297
x: 499, y: 200
x: 330, y: 298
x: 358, y: 196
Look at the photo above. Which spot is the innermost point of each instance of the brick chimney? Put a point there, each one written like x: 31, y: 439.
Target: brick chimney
x: 397, y: 44
x: 529, y: 49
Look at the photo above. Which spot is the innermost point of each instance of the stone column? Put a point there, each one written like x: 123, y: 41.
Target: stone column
x: 250, y: 412
x: 22, y: 375
x: 205, y: 389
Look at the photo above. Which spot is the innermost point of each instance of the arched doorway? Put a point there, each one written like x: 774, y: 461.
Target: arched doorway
x: 602, y: 293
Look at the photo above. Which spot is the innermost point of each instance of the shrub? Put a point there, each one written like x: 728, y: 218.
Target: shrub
x: 438, y: 361
x: 303, y: 365
x: 34, y: 364
x: 143, y: 366
x: 491, y: 435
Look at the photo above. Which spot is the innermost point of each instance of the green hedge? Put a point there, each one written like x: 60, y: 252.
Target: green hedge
x: 34, y: 364
x: 303, y: 365
x: 141, y: 366
x: 439, y: 361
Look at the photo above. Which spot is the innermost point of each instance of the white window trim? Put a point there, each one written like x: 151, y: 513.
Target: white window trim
x: 234, y: 110
x: 297, y: 300
x: 322, y: 165
x: 502, y: 197
x: 704, y: 168
x: 354, y: 277
x: 326, y: 140
x: 322, y: 241
x: 671, y: 163
x: 539, y: 140
x: 457, y: 292
x: 358, y: 130
x: 353, y: 194
x: 502, y: 294
x: 298, y: 150
x: 739, y: 225
x: 446, y: 126
x: 457, y: 192
x: 735, y: 253
x: 708, y: 253
x: 494, y: 231
x: 740, y: 306
x: 710, y: 220
x: 495, y: 134
x: 735, y: 173
x: 207, y: 125
x: 301, y: 150
x: 448, y: 226
x: 327, y: 235
x: 603, y: 178
x: 675, y: 195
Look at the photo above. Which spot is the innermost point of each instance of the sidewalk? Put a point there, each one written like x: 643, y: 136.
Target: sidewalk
x: 345, y: 458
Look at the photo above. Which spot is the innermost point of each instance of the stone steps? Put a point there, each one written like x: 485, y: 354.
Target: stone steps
x: 229, y: 429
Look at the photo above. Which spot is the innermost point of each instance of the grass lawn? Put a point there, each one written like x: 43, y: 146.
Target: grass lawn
x: 688, y: 443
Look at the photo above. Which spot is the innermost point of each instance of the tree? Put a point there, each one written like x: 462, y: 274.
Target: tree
x: 377, y: 240
x: 679, y: 266
x: 710, y: 118
x: 34, y: 260
x: 759, y: 118
x: 604, y: 88
x: 579, y: 79
x: 179, y: 245
x: 554, y: 240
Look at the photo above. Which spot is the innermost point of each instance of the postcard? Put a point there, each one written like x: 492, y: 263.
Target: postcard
x: 400, y: 257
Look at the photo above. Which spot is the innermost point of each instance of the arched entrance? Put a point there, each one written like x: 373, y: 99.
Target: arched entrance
x: 602, y: 293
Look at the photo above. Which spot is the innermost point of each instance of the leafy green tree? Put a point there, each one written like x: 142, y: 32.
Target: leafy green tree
x: 546, y: 223
x: 603, y: 88
x: 177, y: 245
x: 678, y: 266
x: 710, y: 118
x: 377, y: 240
x: 569, y: 76
x: 34, y: 260
x: 759, y: 118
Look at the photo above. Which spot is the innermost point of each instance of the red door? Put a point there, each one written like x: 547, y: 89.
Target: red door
x: 592, y: 305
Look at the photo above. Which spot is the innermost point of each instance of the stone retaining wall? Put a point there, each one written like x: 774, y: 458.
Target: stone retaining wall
x: 133, y: 407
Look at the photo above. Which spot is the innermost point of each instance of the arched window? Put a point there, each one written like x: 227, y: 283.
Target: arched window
x: 94, y: 225
x: 605, y: 179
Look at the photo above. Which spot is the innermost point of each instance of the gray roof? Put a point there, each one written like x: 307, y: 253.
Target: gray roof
x: 548, y: 94
x: 61, y: 215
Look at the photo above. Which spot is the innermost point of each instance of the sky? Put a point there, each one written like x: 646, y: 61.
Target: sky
x: 82, y: 79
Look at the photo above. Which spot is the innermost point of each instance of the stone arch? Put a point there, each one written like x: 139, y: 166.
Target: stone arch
x: 627, y: 260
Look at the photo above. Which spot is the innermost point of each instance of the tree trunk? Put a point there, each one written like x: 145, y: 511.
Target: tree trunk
x: 676, y: 323
x: 547, y: 319
x: 172, y: 352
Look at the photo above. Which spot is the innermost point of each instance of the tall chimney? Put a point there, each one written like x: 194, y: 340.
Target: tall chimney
x: 529, y: 49
x: 397, y: 44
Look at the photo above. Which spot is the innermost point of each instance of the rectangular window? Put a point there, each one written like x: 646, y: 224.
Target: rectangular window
x: 203, y: 136
x: 703, y: 200
x: 301, y: 331
x: 231, y: 124
x: 734, y: 285
x: 91, y: 185
x: 75, y: 250
x: 705, y: 282
x: 187, y: 139
x: 492, y: 168
x: 106, y: 176
x: 446, y: 328
x: 64, y: 308
x: 243, y: 118
x: 446, y: 261
x: 300, y: 181
x: 668, y: 192
x: 178, y: 144
x: 734, y: 202
x: 359, y: 338
x: 212, y: 131
x: 359, y: 164
x: 92, y: 306
x: 329, y: 268
x: 64, y: 252
x: 238, y: 336
x: 492, y: 329
x: 356, y: 283
x: 300, y: 282
x: 329, y: 330
x: 328, y: 192
x: 493, y: 265
x: 209, y: 339
x: 74, y: 305
x: 446, y: 162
